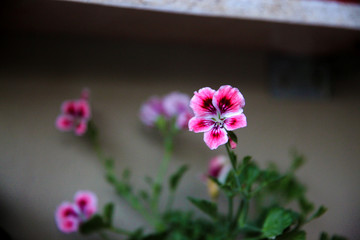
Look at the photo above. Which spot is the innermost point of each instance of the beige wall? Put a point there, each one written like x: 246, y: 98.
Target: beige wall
x: 40, y: 167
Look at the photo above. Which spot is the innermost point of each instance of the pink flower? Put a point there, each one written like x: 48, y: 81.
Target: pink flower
x: 87, y: 203
x: 217, y: 112
x: 151, y: 110
x: 219, y: 168
x: 75, y: 115
x: 173, y: 106
x: 69, y: 216
x: 177, y: 105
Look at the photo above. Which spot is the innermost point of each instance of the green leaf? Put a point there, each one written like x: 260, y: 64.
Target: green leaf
x: 277, y: 220
x: 109, y: 164
x: 144, y: 194
x: 175, y: 178
x: 321, y: 210
x: 232, y: 136
x: 298, y: 161
x: 207, y: 207
x: 294, y: 235
x: 246, y: 160
x: 94, y: 224
x: 305, y: 206
x: 126, y: 174
x: 324, y: 236
x: 108, y: 214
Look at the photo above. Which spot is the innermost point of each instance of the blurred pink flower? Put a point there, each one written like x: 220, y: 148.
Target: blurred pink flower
x: 75, y: 114
x: 219, y: 168
x: 174, y: 105
x: 217, y: 112
x: 151, y: 110
x: 87, y: 203
x: 69, y: 216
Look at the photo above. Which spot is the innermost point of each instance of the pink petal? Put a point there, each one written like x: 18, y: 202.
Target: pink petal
x: 228, y: 100
x: 82, y: 109
x: 65, y: 210
x: 69, y: 107
x: 235, y: 122
x: 87, y: 202
x: 201, y: 102
x: 215, y: 165
x: 64, y: 122
x: 81, y: 127
x: 215, y: 137
x: 224, y: 172
x: 176, y: 103
x: 68, y: 225
x: 233, y: 144
x: 200, y: 124
x: 182, y: 122
x: 151, y: 110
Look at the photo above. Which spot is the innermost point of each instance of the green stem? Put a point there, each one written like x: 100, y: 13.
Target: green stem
x: 170, y: 201
x: 162, y: 171
x: 130, y: 198
x: 231, y: 203
x: 244, y: 212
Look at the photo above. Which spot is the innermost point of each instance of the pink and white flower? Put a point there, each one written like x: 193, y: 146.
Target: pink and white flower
x: 174, y: 106
x: 69, y: 216
x: 217, y: 112
x: 75, y: 114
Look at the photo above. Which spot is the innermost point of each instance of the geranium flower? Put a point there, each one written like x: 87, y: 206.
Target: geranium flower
x: 69, y: 216
x: 219, y: 168
x: 151, y: 110
x: 217, y: 112
x: 75, y: 114
x: 175, y: 105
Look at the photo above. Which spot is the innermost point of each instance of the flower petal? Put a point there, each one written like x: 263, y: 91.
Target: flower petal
x: 68, y: 225
x: 228, y: 100
x: 87, y: 202
x: 64, y: 122
x: 224, y: 173
x: 201, y: 102
x: 200, y: 124
x: 235, y: 122
x: 215, y: 165
x: 215, y: 137
x: 182, y: 122
x: 82, y: 109
x: 176, y: 103
x: 66, y: 210
x: 151, y: 110
x: 69, y: 107
x: 81, y: 127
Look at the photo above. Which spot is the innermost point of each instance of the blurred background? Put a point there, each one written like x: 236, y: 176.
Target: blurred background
x: 301, y: 83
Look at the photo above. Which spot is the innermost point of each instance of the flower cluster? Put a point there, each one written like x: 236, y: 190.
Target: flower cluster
x: 216, y: 113
x: 75, y: 114
x: 173, y: 106
x: 242, y: 181
x: 69, y: 215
